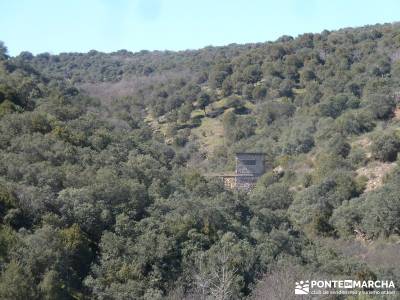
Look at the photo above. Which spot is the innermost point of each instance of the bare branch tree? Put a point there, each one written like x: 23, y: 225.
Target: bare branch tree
x: 215, y: 279
x: 225, y: 275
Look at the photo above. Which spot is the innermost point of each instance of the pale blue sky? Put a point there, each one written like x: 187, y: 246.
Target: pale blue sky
x: 108, y: 25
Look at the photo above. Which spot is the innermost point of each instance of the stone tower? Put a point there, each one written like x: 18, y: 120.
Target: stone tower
x: 249, y: 167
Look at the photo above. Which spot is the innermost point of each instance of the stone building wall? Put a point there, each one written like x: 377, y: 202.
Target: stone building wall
x: 230, y: 182
x: 250, y: 163
x: 246, y: 182
x: 249, y: 167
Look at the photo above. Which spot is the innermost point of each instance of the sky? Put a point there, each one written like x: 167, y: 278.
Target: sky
x: 56, y: 26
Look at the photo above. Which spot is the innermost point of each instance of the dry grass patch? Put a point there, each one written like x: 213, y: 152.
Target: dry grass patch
x: 375, y: 173
x: 210, y: 134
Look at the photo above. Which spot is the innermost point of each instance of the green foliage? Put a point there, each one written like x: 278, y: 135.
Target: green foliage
x: 347, y: 217
x: 203, y: 101
x: 238, y: 127
x: 339, y: 146
x: 376, y: 213
x: 358, y: 157
x: 270, y: 111
x: 385, y: 146
x: 52, y: 286
x: 104, y: 180
x: 299, y: 137
x: 8, y: 240
x: 275, y: 196
x: 355, y: 122
x: 16, y: 283
x: 7, y: 201
x: 334, y: 106
x: 3, y: 51
x: 381, y: 105
x: 313, y: 207
x: 381, y: 210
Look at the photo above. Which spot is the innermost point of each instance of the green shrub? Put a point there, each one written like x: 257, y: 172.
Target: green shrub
x: 381, y: 105
x: 275, y: 196
x: 358, y: 157
x: 386, y: 146
x: 339, y: 146
x: 355, y: 122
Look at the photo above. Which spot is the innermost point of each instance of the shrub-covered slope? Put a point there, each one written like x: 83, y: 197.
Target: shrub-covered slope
x: 104, y: 157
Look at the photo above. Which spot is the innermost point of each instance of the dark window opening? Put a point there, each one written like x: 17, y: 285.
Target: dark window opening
x: 249, y: 162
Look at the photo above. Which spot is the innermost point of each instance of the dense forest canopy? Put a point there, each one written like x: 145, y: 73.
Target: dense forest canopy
x: 106, y: 160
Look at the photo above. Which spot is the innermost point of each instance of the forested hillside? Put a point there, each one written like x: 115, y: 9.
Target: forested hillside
x: 107, y: 161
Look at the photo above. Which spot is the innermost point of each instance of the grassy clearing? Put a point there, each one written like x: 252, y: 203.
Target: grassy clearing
x: 196, y: 113
x: 298, y: 91
x: 224, y: 103
x: 210, y: 134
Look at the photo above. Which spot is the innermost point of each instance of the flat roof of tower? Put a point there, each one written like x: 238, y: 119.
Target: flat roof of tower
x: 252, y: 153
